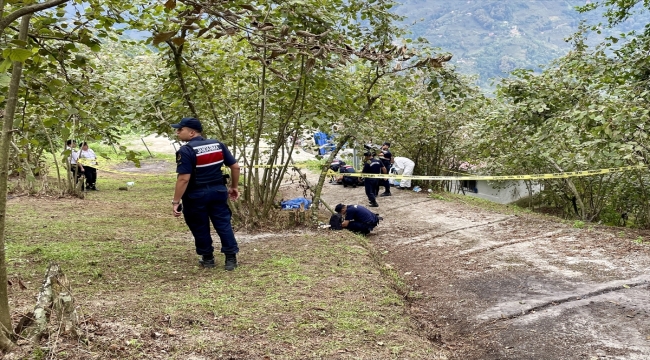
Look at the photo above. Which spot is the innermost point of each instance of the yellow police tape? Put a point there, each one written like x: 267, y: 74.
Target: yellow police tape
x: 562, y: 175
x: 279, y: 166
x: 94, y: 164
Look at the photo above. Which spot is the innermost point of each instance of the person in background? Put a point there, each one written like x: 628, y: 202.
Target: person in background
x: 372, y: 166
x: 335, y: 166
x: 200, y: 184
x: 90, y: 171
x: 348, y: 180
x: 357, y: 218
x: 385, y: 158
x: 76, y: 169
x: 404, y: 166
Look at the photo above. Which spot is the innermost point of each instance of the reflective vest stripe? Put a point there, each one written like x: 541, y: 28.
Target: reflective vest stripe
x: 209, y: 158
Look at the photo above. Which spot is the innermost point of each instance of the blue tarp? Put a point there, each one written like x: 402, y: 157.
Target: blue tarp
x: 295, y: 203
x: 320, y: 139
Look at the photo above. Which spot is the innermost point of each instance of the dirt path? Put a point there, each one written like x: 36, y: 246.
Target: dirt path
x: 497, y: 286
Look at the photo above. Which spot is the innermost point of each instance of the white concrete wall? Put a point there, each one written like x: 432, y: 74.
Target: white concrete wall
x: 504, y: 192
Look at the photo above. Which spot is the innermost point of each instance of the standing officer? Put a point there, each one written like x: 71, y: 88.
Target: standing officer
x: 385, y: 158
x: 372, y: 165
x: 200, y: 185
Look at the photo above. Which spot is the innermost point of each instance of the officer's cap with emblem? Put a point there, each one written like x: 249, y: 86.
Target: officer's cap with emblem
x: 189, y: 122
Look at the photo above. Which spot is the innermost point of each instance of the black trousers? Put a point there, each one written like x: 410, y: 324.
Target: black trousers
x: 386, y: 184
x: 91, y: 176
x: 362, y: 228
x: 205, y: 205
x: 372, y: 189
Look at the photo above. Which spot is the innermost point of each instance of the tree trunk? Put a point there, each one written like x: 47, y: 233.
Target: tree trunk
x: 178, y: 64
x: 10, y: 111
x: 30, y: 179
x: 321, y: 180
x: 573, y: 189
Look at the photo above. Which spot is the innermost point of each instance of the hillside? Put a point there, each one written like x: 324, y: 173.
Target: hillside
x: 490, y: 38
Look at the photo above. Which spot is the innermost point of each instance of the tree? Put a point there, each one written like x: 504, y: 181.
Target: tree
x: 41, y: 51
x: 257, y: 73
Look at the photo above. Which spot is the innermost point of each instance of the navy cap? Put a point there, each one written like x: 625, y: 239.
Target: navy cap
x: 338, y: 208
x: 189, y: 122
x: 369, y: 153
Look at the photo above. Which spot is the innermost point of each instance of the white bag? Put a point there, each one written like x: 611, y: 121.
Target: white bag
x: 392, y: 181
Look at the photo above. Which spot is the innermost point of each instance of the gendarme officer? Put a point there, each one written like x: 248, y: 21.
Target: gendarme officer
x: 200, y: 185
x: 372, y: 165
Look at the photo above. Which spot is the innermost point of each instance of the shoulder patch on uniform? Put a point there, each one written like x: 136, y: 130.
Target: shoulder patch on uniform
x: 178, y: 157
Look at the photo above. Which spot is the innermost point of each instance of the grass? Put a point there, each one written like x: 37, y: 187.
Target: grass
x: 137, y: 283
x: 313, y: 165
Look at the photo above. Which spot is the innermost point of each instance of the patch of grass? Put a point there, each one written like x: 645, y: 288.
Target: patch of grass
x: 132, y: 266
x: 579, y: 224
x: 438, y: 196
x: 313, y: 165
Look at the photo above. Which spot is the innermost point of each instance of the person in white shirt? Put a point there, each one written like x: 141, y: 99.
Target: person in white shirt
x: 90, y: 171
x: 404, y: 166
x: 76, y: 169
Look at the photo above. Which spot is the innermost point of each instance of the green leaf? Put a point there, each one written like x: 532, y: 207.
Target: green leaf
x: 4, y: 79
x: 6, y: 64
x: 19, y: 54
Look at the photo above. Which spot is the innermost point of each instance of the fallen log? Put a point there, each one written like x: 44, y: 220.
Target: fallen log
x: 54, y: 294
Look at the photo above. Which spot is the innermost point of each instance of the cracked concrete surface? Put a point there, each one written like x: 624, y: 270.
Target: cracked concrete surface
x: 497, y: 286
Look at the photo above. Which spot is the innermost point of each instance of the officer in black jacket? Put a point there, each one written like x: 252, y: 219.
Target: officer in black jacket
x: 385, y: 158
x: 374, y: 166
x: 200, y: 185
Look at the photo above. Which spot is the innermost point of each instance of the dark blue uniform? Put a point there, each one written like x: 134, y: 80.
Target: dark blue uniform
x: 361, y: 219
x: 206, y: 197
x: 372, y: 166
x: 348, y: 180
x: 385, y: 159
x: 336, y: 166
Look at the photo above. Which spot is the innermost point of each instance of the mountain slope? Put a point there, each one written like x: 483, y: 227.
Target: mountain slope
x: 490, y: 38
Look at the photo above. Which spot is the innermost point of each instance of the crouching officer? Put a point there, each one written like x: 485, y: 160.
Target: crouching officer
x: 201, y: 186
x: 357, y: 218
x: 374, y: 166
x: 348, y: 180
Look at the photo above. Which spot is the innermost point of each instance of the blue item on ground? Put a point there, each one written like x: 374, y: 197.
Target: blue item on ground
x: 295, y: 203
x: 324, y: 142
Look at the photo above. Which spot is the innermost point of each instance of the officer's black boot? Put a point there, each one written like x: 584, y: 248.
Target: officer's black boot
x: 207, y: 261
x: 231, y: 262
x: 386, y: 193
x: 374, y: 204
